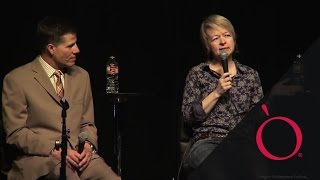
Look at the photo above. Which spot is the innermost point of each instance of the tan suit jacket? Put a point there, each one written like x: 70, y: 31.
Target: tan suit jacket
x: 32, y: 116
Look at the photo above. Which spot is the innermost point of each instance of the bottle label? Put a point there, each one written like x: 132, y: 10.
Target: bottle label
x: 112, y: 69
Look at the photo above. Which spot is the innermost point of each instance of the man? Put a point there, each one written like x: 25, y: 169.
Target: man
x: 32, y: 100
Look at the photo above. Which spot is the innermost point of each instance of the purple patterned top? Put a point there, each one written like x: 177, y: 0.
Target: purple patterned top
x: 230, y: 108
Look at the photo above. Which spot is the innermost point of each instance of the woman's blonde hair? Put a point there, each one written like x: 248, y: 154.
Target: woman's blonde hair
x: 212, y: 22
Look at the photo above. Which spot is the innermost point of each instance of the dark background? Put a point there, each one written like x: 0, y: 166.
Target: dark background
x: 156, y: 43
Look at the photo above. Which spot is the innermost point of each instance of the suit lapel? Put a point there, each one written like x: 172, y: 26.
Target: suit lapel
x: 42, y: 78
x: 68, y: 80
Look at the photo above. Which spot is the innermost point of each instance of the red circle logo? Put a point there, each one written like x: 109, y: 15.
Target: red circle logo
x: 294, y: 126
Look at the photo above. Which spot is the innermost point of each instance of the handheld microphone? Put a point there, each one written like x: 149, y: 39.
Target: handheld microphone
x: 82, y: 139
x: 223, y: 57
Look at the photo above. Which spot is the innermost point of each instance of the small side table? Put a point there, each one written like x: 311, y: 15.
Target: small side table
x: 117, y: 99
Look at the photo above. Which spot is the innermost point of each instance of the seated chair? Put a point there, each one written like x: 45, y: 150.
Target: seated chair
x: 7, y: 153
x: 3, y: 165
x: 184, y: 143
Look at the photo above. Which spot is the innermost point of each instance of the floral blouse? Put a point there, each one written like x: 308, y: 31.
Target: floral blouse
x: 231, y: 107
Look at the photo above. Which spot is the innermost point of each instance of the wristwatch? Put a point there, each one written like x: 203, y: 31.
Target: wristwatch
x: 93, y: 149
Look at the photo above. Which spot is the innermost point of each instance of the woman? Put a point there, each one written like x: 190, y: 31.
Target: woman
x: 215, y: 99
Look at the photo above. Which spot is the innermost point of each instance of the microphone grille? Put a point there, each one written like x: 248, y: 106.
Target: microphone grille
x: 83, y: 136
x: 223, y: 55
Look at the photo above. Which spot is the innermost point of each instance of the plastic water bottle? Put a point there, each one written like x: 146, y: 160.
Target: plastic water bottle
x: 298, y: 71
x: 112, y: 71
